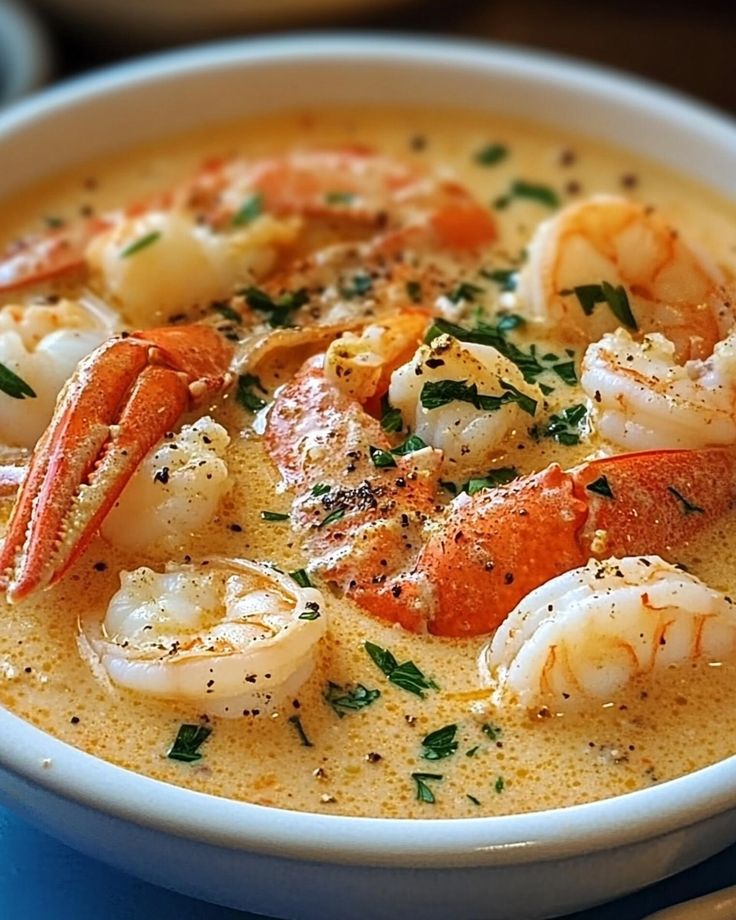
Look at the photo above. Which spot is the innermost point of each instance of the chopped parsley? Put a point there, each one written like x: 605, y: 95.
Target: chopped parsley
x: 493, y: 731
x: 188, y: 740
x: 491, y: 154
x: 297, y: 723
x: 493, y: 478
x: 274, y: 516
x: 246, y: 395
x: 424, y: 793
x: 301, y: 578
x: 391, y: 420
x: 440, y: 743
x: 251, y: 208
x: 335, y: 515
x: 437, y: 393
x: 360, y: 285
x: 337, y: 197
x: 381, y: 458
x: 600, y: 486
x: 414, y: 291
x: 564, y: 427
x: 472, y: 751
x: 411, y: 444
x: 687, y: 507
x: 499, y: 784
x: 319, y: 489
x: 590, y: 295
x: 530, y: 191
x: 472, y: 798
x: 406, y: 675
x: 506, y: 278
x: 464, y: 291
x: 226, y: 311
x: 142, y: 243
x: 13, y: 385
x: 278, y: 310
x: 349, y: 699
x: 311, y: 612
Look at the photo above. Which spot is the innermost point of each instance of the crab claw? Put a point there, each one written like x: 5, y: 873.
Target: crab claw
x: 121, y: 400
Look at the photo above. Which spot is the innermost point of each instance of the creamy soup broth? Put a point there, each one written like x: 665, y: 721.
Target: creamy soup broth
x: 507, y: 761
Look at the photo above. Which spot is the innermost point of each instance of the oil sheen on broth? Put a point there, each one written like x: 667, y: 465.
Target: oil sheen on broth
x: 362, y: 764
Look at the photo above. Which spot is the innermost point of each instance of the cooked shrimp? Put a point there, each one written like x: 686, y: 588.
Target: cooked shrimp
x: 491, y: 401
x: 232, y: 637
x: 641, y: 399
x: 174, y: 492
x: 608, y: 262
x: 581, y: 637
x: 374, y: 525
x: 42, y: 344
x: 234, y: 217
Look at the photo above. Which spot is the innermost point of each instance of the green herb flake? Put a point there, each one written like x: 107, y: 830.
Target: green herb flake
x: 407, y: 676
x: 301, y: 578
x: 590, y: 295
x: 142, y: 243
x: 414, y: 291
x: 687, y: 507
x: 440, y: 743
x: 297, y: 723
x: 311, y: 612
x: 274, y: 516
x: 424, y: 793
x: 472, y: 798
x: 464, y: 291
x: 251, y: 208
x: 188, y: 740
x: 491, y: 154
x: 277, y: 310
x: 437, y: 393
x: 501, y: 476
x: 542, y: 194
x: 54, y: 223
x: 337, y: 197
x: 601, y: 486
x: 334, y: 515
x: 563, y: 427
x: 472, y: 752
x: 381, y: 458
x: 360, y: 285
x: 499, y: 784
x: 246, y: 395
x: 506, y: 278
x: 494, y: 732
x: 409, y: 446
x: 227, y: 312
x: 349, y: 699
x: 391, y: 420
x: 566, y: 372
x: 320, y: 489
x: 13, y: 385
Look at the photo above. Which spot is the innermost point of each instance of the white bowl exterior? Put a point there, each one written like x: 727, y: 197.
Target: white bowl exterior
x: 301, y: 865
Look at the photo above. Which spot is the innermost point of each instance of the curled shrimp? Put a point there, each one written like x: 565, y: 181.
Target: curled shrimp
x: 581, y: 637
x: 174, y: 492
x: 232, y: 637
x: 641, y: 399
x: 656, y: 280
x: 42, y: 344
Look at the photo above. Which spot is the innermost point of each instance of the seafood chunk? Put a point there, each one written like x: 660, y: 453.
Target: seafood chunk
x: 174, y: 492
x: 641, y: 399
x: 667, y: 285
x: 42, y: 344
x: 581, y: 637
x: 232, y: 637
x: 491, y: 400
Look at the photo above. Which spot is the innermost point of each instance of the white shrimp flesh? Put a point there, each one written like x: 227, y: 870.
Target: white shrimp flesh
x: 580, y: 638
x: 232, y: 636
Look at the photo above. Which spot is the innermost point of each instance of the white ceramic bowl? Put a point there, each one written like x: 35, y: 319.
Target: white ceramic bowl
x: 318, y: 866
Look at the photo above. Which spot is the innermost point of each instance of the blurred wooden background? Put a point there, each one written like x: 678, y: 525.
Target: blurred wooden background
x: 691, y: 46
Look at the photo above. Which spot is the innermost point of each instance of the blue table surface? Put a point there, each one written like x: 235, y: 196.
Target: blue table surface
x: 42, y: 878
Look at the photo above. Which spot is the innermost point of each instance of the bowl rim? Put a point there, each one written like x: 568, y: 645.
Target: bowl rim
x: 39, y: 760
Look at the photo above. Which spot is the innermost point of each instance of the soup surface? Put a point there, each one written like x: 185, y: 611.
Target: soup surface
x: 352, y: 741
